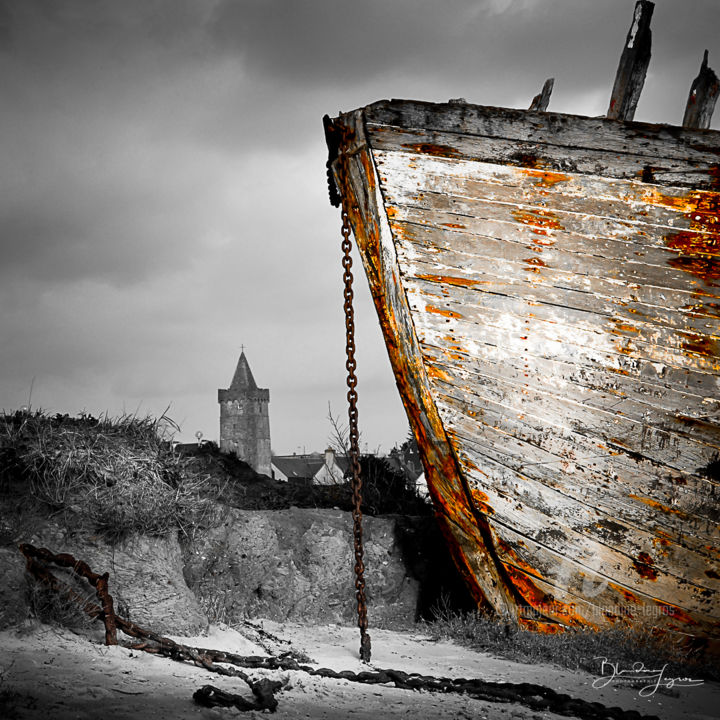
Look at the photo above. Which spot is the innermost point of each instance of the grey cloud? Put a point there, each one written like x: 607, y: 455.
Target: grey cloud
x: 326, y: 42
x: 163, y: 189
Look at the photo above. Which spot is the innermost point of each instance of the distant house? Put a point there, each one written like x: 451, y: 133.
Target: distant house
x: 313, y: 469
x: 407, y: 461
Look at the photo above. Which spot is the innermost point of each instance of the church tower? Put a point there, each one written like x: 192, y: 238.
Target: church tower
x: 244, y: 419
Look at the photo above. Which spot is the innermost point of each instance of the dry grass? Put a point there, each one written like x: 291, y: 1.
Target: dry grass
x: 59, y: 608
x: 573, y: 649
x: 119, y: 474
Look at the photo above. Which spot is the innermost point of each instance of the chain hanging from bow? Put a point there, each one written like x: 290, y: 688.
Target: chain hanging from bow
x: 353, y: 432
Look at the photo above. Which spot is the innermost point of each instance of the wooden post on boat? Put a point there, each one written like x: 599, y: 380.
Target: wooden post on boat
x: 702, y: 98
x: 540, y: 101
x: 633, y: 65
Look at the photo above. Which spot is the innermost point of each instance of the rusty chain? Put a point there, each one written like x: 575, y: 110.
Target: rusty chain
x: 535, y: 697
x: 353, y: 432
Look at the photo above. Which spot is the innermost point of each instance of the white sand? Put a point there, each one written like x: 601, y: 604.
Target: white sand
x: 54, y: 674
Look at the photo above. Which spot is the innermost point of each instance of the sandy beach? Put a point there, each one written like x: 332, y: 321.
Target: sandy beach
x: 51, y: 672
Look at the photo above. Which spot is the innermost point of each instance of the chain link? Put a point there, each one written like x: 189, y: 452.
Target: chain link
x: 354, y: 434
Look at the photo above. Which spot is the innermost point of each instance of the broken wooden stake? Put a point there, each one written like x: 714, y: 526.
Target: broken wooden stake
x: 633, y: 65
x: 540, y: 101
x: 702, y: 98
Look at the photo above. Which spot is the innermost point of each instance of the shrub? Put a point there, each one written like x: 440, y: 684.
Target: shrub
x: 120, y: 474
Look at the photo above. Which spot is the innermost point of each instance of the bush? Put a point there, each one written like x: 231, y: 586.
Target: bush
x: 120, y: 474
x: 386, y: 491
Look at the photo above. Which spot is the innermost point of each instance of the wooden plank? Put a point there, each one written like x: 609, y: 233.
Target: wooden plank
x: 619, y: 303
x: 494, y: 361
x: 539, y: 336
x: 622, y: 199
x: 654, y: 290
x: 514, y: 455
x: 651, y: 342
x: 699, y: 420
x: 490, y: 245
x: 633, y: 65
x: 446, y: 174
x: 689, y: 148
x: 696, y: 236
x: 555, y: 523
x: 560, y: 442
x: 702, y: 98
x: 594, y: 596
x: 698, y: 436
x: 542, y: 99
x: 512, y: 464
x: 409, y: 180
x: 660, y: 445
x: 660, y: 169
x: 512, y: 348
x: 664, y: 445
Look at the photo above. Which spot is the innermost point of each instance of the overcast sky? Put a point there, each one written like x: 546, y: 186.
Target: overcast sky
x: 162, y: 183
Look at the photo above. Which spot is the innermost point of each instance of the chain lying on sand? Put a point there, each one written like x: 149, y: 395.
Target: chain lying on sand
x: 535, y: 697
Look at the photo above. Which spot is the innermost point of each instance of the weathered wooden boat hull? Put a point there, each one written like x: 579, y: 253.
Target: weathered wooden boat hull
x: 548, y: 289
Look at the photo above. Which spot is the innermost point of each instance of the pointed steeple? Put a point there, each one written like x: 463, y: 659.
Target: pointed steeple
x: 243, y: 379
x: 244, y: 419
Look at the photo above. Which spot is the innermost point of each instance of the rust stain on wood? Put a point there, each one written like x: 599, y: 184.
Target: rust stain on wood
x: 694, y: 202
x: 714, y: 173
x: 692, y: 243
x: 705, y: 267
x: 481, y: 501
x: 455, y: 226
x: 710, y: 310
x: 544, y: 604
x: 540, y: 220
x: 547, y: 179
x: 536, y: 262
x: 672, y: 611
x: 625, y: 347
x: 700, y: 344
x: 542, y: 238
x: 622, y: 327
x: 658, y: 506
x: 438, y: 373
x: 433, y: 149
x: 626, y: 594
x: 644, y: 566
x: 698, y: 246
x: 526, y: 160
x: 448, y: 280
x: 661, y: 546
x: 443, y: 311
